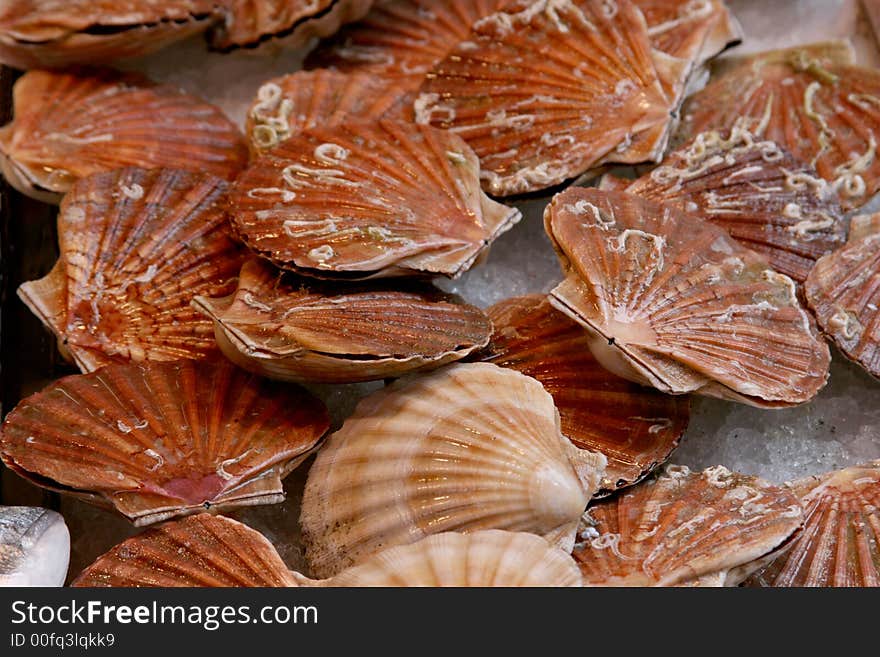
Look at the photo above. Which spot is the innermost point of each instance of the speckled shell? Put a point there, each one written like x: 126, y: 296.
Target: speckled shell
x: 839, y: 544
x: 844, y: 292
x: 293, y: 23
x: 34, y: 547
x: 163, y: 439
x: 487, y: 558
x: 527, y: 92
x: 198, y: 551
x: 70, y: 125
x: 59, y: 33
x: 466, y: 448
x: 765, y: 198
x: 696, y: 31
x: 310, y: 99
x: 684, y: 529
x: 282, y: 329
x: 672, y: 301
x: 136, y: 246
x: 824, y: 112
x: 634, y: 427
x: 364, y: 200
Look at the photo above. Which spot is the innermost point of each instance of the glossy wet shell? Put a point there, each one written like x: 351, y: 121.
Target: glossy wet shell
x: 71, y: 125
x: 526, y: 91
x: 34, y: 547
x: 824, y: 112
x: 467, y: 448
x: 199, y: 551
x: 284, y: 330
x: 486, y: 559
x: 634, y: 427
x: 696, y: 31
x: 685, y: 529
x: 365, y: 200
x: 164, y: 439
x: 765, y: 198
x: 60, y: 33
x: 672, y: 301
x: 844, y: 292
x: 136, y: 246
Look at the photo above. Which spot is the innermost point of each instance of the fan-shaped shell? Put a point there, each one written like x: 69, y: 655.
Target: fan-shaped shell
x: 282, y: 329
x: 70, y: 125
x: 136, y: 246
x: 59, y: 33
x: 824, y: 112
x: 485, y: 558
x: 543, y: 90
x: 34, y: 547
x: 164, y: 439
x: 201, y: 550
x: 361, y: 200
x: 839, y: 544
x: 466, y: 448
x: 686, y: 529
x: 765, y: 198
x: 634, y: 427
x: 844, y: 292
x: 692, y: 30
x: 672, y: 301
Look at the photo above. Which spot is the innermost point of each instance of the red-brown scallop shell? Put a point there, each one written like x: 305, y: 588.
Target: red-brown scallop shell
x: 695, y: 30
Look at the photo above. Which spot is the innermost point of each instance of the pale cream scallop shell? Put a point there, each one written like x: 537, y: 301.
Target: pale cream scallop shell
x: 470, y: 447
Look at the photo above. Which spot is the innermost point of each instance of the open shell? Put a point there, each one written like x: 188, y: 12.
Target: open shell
x: 362, y: 200
x: 487, y: 558
x: 825, y: 112
x: 201, y: 550
x: 765, y: 198
x: 844, y: 292
x: 284, y: 330
x: 59, y: 33
x: 634, y: 427
x: 543, y: 90
x: 672, y: 301
x: 34, y: 547
x: 695, y: 31
x: 467, y: 448
x: 839, y: 544
x: 136, y: 246
x: 164, y: 439
x: 69, y: 125
x: 684, y: 529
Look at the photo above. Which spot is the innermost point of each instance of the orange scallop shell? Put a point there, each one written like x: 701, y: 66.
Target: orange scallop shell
x: 809, y: 101
x: 765, y: 198
x: 201, y: 550
x: 362, y: 200
x: 71, y: 125
x: 634, y: 427
x: 159, y: 440
x: 696, y: 31
x: 672, y: 301
x: 136, y: 246
x: 686, y: 529
x: 839, y: 544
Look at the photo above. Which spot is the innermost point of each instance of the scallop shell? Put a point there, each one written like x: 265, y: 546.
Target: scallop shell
x: 672, y: 301
x: 59, y: 33
x: 362, y: 200
x: 250, y: 23
x: 311, y: 99
x: 634, y: 427
x: 164, y: 439
x: 823, y: 111
x: 201, y: 550
x: 284, y: 330
x: 527, y: 90
x: 70, y: 125
x: 695, y: 31
x: 839, y: 544
x: 684, y: 529
x: 467, y: 448
x: 34, y: 547
x: 844, y: 292
x: 765, y: 198
x: 488, y: 558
